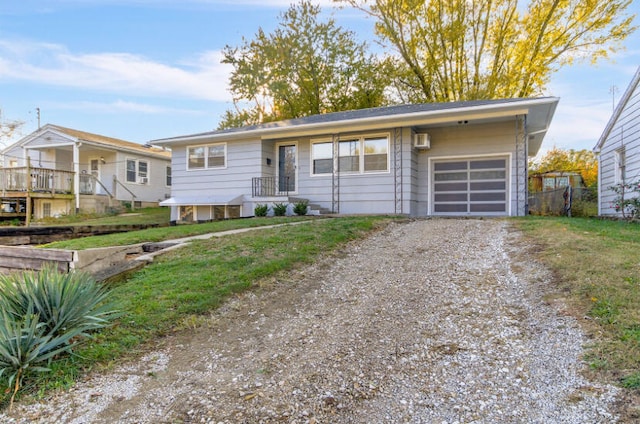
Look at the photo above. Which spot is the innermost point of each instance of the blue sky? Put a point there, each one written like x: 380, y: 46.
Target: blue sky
x: 146, y: 69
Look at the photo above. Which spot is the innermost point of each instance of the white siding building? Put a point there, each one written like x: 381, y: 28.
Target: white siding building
x: 618, y: 149
x: 57, y: 170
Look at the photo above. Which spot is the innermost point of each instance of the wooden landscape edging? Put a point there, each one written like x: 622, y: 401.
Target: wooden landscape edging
x: 22, y: 258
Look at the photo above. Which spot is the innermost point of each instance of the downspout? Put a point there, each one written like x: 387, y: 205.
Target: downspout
x: 526, y: 168
x: 598, y: 161
x: 76, y: 174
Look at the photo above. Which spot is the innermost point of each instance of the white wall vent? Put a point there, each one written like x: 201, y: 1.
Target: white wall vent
x: 421, y: 141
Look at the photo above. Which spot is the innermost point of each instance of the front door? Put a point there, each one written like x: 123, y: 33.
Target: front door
x: 287, y: 165
x: 95, y: 172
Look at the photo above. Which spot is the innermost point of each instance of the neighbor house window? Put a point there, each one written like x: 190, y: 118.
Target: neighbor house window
x: 356, y: 155
x: 619, y: 159
x: 46, y: 210
x: 209, y: 156
x: 168, y: 180
x: 137, y: 171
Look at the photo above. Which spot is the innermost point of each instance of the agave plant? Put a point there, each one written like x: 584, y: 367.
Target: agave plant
x: 45, y: 313
x: 25, y: 347
x: 63, y: 301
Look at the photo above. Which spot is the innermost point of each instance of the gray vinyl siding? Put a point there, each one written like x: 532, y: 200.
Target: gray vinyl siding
x: 625, y: 133
x: 466, y: 142
x: 155, y: 190
x: 359, y: 193
x: 244, y: 161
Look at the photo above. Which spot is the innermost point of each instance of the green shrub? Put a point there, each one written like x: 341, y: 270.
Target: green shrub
x: 280, y: 209
x: 627, y: 199
x: 300, y: 208
x: 40, y: 312
x: 261, y: 210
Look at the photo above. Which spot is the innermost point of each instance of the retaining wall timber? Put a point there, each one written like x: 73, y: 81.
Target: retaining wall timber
x: 18, y: 236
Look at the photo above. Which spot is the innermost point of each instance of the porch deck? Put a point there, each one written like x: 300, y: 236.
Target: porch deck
x: 35, y: 180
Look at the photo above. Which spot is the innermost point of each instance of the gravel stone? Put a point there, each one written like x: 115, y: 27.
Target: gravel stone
x: 426, y: 321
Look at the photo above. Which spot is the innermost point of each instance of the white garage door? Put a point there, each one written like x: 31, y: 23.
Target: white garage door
x: 470, y: 187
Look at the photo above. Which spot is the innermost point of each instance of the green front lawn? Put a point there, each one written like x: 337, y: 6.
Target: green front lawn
x: 182, y: 286
x: 597, y: 265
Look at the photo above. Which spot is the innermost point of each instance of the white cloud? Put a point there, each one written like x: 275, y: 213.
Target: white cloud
x: 188, y: 3
x: 119, y: 106
x: 202, y: 77
x: 577, y: 126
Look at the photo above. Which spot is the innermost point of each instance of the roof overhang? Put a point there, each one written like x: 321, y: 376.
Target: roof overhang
x: 539, y: 112
x: 203, y: 201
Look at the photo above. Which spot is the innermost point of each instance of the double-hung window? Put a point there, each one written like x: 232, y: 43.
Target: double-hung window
x: 356, y: 155
x: 322, y: 158
x: 207, y: 156
x: 137, y: 171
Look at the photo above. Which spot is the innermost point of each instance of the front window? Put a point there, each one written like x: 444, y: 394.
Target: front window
x: 349, y: 156
x: 196, y: 157
x: 137, y: 171
x: 168, y: 182
x: 322, y: 158
x: 209, y: 156
x: 357, y: 155
x: 376, y: 154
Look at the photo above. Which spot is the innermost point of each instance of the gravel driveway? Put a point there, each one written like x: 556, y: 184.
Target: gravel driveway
x: 430, y: 321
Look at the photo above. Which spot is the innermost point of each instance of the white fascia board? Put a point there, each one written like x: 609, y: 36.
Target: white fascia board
x: 122, y: 149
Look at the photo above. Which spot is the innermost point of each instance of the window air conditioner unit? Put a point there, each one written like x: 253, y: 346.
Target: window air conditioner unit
x: 143, y: 180
x: 421, y: 141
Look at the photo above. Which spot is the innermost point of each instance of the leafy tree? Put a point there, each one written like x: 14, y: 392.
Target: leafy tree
x: 582, y: 161
x: 305, y: 66
x: 462, y: 50
x: 8, y: 128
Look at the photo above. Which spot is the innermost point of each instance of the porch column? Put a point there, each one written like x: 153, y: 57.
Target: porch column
x: 76, y: 174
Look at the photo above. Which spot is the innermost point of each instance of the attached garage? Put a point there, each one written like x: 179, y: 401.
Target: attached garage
x: 470, y: 186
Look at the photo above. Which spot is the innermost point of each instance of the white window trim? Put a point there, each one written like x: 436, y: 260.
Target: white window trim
x: 206, y: 157
x: 360, y: 138
x: 137, y: 162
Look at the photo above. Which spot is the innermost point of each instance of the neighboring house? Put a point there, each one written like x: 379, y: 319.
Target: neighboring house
x: 618, y: 149
x: 459, y: 159
x: 555, y: 180
x: 57, y: 170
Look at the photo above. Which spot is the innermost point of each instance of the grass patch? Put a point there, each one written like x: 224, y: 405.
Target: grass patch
x: 168, y: 233
x: 157, y: 215
x: 182, y: 286
x: 597, y: 263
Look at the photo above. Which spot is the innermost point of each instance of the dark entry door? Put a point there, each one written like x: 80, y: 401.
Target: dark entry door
x: 287, y: 154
